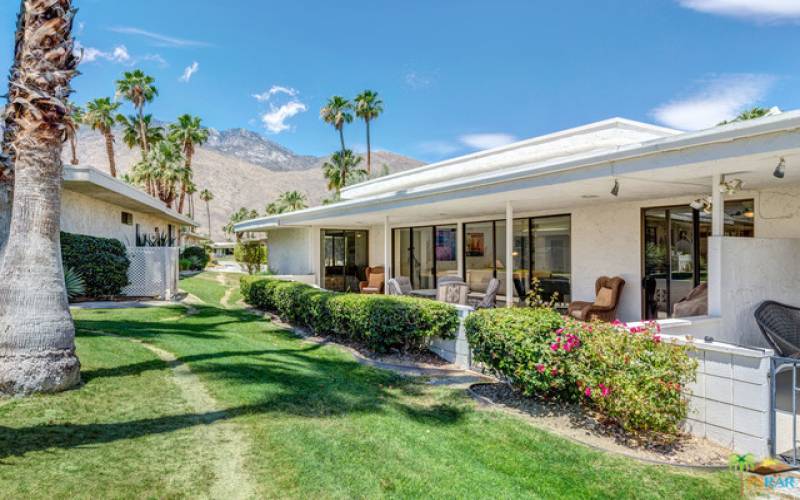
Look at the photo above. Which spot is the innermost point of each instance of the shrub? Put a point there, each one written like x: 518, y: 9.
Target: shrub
x: 380, y: 322
x: 199, y: 255
x: 628, y: 375
x: 252, y: 254
x: 632, y: 377
x: 101, y: 262
x: 74, y: 283
x: 184, y: 264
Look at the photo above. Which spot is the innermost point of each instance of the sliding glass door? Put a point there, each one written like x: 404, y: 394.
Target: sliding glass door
x: 423, y: 254
x: 344, y: 259
x: 675, y: 251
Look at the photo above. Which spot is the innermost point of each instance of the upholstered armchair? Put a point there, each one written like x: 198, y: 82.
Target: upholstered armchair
x: 604, y: 308
x: 374, y: 282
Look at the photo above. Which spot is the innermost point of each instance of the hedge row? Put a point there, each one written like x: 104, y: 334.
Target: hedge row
x: 101, y: 262
x: 628, y: 375
x: 381, y: 322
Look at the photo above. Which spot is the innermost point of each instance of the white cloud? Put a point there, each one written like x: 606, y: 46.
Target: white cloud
x: 760, y: 10
x: 159, y: 39
x: 275, y: 89
x: 156, y: 58
x: 118, y: 54
x: 416, y: 80
x: 275, y: 119
x: 438, y: 148
x: 189, y: 71
x: 486, y: 141
x: 721, y: 98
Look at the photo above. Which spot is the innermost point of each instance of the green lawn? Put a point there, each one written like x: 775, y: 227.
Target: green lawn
x: 314, y: 423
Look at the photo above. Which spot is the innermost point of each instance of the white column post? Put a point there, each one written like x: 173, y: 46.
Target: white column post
x: 509, y: 255
x: 715, y: 247
x: 387, y: 247
x: 460, y: 249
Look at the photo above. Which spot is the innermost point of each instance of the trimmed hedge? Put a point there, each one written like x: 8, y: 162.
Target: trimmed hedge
x: 628, y: 375
x: 101, y: 262
x: 380, y: 322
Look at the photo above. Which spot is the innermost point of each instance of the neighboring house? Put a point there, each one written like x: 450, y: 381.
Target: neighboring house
x: 614, y: 198
x: 96, y: 204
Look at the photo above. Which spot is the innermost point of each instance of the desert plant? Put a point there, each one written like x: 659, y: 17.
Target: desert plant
x: 74, y: 282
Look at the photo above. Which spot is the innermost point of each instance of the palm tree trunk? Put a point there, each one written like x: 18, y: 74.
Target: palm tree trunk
x: 73, y: 145
x: 183, y: 185
x: 37, y: 336
x: 6, y: 200
x: 143, y: 134
x: 341, y: 138
x: 208, y: 212
x: 369, y: 150
x: 112, y: 163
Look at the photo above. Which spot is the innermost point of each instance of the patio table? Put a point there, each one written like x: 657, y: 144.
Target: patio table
x: 428, y: 293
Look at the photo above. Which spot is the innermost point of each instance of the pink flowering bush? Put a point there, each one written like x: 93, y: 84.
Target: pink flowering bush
x: 628, y: 375
x: 634, y: 379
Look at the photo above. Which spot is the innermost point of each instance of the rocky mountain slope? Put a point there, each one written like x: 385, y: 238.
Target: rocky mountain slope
x: 240, y: 167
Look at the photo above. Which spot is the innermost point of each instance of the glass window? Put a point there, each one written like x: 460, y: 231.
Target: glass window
x: 446, y: 258
x: 422, y: 258
x: 551, y: 249
x: 479, y: 254
x: 402, y: 249
x: 345, y: 259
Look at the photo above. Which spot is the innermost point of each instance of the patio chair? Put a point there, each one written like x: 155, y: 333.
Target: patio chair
x: 490, y: 297
x: 780, y: 325
x: 694, y: 304
x: 452, y: 292
x: 604, y: 308
x: 398, y: 286
x: 441, y: 280
x: 374, y: 282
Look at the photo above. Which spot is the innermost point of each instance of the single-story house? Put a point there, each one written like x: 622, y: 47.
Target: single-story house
x: 95, y: 204
x: 673, y: 213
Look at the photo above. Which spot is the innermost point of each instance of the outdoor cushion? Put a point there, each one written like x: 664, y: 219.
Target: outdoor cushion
x: 375, y: 280
x: 605, y: 297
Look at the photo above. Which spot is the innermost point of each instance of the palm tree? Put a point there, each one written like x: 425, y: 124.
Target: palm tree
x: 100, y: 116
x: 37, y: 336
x: 368, y: 107
x: 138, y: 88
x: 207, y: 196
x: 748, y: 114
x: 337, y: 113
x: 191, y: 189
x: 342, y: 169
x: 132, y: 132
x: 73, y: 124
x: 275, y: 208
x: 167, y: 163
x: 189, y: 133
x: 293, y: 200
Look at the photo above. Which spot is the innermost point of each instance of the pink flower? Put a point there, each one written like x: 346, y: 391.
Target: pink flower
x: 603, y: 389
x: 540, y: 368
x: 588, y: 392
x: 560, y: 331
x: 554, y: 346
x: 656, y: 339
x: 554, y: 372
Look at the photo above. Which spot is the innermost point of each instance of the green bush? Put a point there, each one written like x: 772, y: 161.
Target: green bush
x: 628, y: 375
x: 184, y: 264
x: 197, y: 256
x: 102, y: 262
x: 380, y: 322
x: 252, y: 254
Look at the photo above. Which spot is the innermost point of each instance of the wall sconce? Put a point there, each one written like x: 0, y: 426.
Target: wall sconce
x: 703, y: 204
x: 732, y: 186
x: 780, y: 169
x: 615, y: 189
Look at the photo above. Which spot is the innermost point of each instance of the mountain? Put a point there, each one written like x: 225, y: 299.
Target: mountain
x: 240, y: 167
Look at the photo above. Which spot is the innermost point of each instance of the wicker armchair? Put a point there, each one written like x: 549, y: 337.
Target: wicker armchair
x: 398, y: 286
x: 374, y: 282
x: 780, y: 324
x: 604, y: 308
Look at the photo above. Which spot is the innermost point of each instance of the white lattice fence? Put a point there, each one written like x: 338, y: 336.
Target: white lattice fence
x: 153, y: 272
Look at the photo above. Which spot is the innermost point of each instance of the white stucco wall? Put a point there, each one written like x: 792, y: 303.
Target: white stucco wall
x: 81, y: 214
x: 754, y: 270
x: 290, y: 251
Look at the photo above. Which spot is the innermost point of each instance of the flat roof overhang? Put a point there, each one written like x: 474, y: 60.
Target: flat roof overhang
x: 96, y: 184
x: 673, y: 166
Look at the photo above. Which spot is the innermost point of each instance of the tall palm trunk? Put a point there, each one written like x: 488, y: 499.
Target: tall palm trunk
x: 112, y: 163
x: 183, y: 184
x: 37, y: 336
x: 142, y: 132
x: 369, y: 150
x: 74, y: 146
x: 208, y: 213
x: 341, y: 137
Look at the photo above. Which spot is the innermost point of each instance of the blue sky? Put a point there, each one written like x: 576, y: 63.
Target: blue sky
x: 455, y: 76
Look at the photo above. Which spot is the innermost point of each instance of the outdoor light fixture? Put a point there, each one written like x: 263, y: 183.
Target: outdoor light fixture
x: 748, y: 212
x: 780, y: 169
x: 615, y: 189
x: 731, y: 187
x: 703, y: 204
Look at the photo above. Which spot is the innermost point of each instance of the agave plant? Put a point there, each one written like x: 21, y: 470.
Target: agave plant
x: 75, y: 284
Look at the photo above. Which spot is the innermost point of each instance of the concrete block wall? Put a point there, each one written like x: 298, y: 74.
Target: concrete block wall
x: 455, y: 350
x: 729, y: 401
